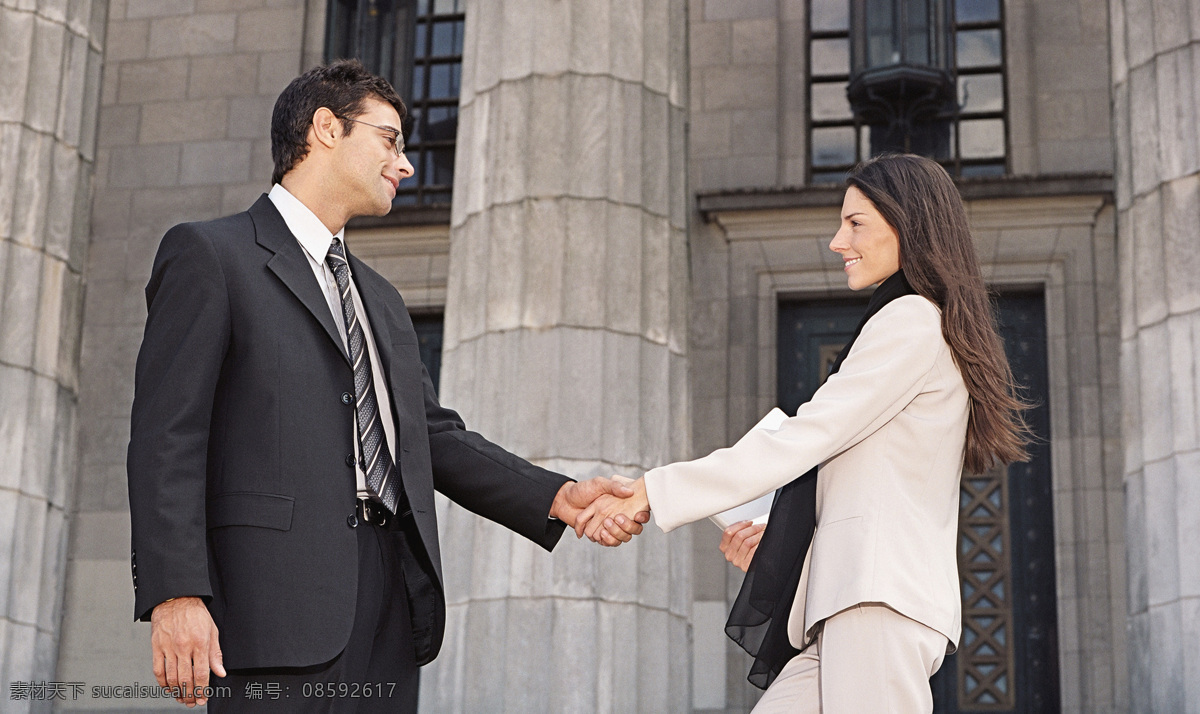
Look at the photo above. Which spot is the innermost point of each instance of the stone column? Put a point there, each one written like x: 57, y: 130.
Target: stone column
x: 1156, y: 45
x: 49, y: 88
x: 565, y: 342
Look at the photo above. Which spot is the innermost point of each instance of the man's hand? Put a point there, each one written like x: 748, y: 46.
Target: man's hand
x: 610, y: 515
x: 740, y: 541
x: 183, y: 638
x: 574, y: 497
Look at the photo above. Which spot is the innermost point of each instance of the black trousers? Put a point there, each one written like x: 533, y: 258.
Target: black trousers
x: 376, y: 672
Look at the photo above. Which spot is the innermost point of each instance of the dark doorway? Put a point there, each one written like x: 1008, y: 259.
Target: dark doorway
x: 1007, y: 661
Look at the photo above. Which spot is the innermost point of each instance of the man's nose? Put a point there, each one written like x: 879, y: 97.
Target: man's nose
x: 405, y: 168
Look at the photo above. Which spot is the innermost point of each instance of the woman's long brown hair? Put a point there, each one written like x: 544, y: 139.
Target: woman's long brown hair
x: 918, y: 198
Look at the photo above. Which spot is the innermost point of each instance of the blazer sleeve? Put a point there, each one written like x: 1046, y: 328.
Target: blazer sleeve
x: 489, y: 481
x: 886, y: 368
x: 178, y: 365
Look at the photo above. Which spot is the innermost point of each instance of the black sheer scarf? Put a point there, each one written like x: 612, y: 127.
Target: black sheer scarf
x: 758, y: 620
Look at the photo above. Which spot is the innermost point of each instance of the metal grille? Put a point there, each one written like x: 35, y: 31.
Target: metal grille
x: 985, y: 662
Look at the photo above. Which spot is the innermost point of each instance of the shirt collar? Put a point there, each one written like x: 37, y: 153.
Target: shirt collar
x: 311, y: 233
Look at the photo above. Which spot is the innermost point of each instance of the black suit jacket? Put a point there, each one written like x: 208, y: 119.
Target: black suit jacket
x: 241, y: 476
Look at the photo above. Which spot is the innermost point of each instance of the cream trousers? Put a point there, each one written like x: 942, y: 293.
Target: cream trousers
x: 868, y: 659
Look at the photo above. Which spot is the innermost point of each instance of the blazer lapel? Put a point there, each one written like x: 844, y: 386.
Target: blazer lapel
x: 291, y: 266
x: 372, y: 288
x: 373, y: 302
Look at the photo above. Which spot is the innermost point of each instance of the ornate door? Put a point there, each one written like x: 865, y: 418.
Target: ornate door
x: 1007, y: 659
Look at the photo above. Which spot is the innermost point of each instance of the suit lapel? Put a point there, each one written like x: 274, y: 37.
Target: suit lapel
x: 291, y: 266
x: 373, y: 301
x: 371, y: 288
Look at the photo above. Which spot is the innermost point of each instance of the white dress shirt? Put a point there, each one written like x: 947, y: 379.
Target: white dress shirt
x: 315, y: 239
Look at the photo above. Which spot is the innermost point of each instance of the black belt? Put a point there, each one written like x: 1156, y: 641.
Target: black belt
x: 369, y: 511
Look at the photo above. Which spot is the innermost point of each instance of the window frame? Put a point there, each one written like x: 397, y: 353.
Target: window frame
x: 956, y: 163
x: 415, y: 195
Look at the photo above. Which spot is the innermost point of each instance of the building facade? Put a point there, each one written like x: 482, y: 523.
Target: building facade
x: 615, y: 248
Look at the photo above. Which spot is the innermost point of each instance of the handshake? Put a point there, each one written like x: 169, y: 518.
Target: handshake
x: 609, y: 511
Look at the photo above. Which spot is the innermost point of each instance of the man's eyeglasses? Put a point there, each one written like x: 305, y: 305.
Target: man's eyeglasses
x: 393, y: 135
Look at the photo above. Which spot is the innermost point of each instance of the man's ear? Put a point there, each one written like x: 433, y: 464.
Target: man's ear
x: 326, y: 128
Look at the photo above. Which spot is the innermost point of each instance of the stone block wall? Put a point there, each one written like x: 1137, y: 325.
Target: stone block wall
x: 748, y: 71
x: 1058, y: 87
x: 1156, y: 111
x: 49, y: 85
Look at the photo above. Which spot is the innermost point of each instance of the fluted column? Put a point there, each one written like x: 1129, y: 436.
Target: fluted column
x: 1156, y: 48
x: 49, y: 89
x: 565, y: 342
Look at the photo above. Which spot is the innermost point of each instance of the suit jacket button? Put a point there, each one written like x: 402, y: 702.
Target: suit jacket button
x: 352, y: 520
x: 347, y: 397
x: 350, y: 460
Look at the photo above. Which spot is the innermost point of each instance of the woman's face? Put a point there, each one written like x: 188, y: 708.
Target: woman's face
x: 870, y: 248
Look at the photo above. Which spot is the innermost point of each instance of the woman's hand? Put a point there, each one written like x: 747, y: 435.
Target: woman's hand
x: 739, y: 542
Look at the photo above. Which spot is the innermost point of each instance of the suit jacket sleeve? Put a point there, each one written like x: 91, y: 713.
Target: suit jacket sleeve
x: 489, y: 481
x: 885, y: 370
x: 187, y: 333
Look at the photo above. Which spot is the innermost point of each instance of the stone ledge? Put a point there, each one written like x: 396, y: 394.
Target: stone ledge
x: 404, y: 216
x: 709, y: 204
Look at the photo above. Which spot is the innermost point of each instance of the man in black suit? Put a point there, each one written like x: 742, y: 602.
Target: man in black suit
x: 287, y: 441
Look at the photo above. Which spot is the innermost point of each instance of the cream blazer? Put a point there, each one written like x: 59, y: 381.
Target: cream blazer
x: 888, y: 431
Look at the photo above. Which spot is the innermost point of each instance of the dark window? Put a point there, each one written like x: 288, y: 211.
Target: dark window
x: 417, y: 45
x: 969, y: 138
x: 429, y: 342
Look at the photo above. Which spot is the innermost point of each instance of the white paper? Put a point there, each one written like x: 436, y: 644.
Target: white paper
x: 757, y: 510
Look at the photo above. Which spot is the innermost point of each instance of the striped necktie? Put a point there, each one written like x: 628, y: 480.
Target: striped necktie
x: 377, y: 462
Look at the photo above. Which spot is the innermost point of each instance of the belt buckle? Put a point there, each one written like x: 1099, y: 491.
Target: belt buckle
x: 373, y: 512
x: 382, y: 516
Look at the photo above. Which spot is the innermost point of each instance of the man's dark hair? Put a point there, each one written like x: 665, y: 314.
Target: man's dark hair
x: 341, y: 87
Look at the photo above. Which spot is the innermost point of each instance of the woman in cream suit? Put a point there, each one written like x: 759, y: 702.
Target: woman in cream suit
x: 923, y: 388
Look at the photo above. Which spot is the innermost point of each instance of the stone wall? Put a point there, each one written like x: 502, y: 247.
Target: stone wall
x: 748, y: 65
x: 49, y: 84
x: 1156, y: 112
x: 1056, y: 54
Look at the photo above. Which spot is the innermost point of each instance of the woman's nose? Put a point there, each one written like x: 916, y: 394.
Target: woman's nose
x: 838, y: 245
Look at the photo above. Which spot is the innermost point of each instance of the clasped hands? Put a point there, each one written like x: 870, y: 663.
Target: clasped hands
x: 619, y: 506
x: 604, y: 507
x: 607, y: 511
